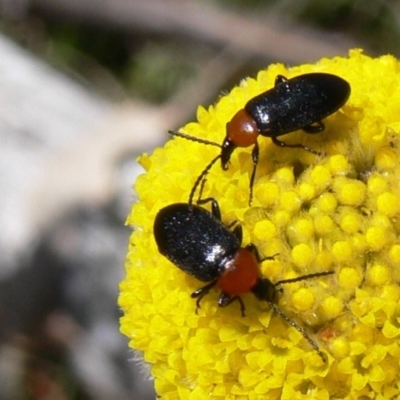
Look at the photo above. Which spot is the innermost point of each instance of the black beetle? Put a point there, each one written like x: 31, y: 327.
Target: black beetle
x: 197, y: 242
x: 297, y: 103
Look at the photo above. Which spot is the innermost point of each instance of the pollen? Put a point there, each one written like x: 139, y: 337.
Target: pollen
x: 351, y: 222
x: 349, y: 277
x: 267, y: 193
x: 302, y: 230
x: 285, y: 176
x: 342, y: 251
x: 264, y: 230
x: 326, y: 203
x: 306, y: 191
x: 290, y: 201
x: 338, y: 165
x: 386, y: 159
x: 376, y: 237
x: 388, y: 204
x: 302, y: 255
x: 394, y: 254
x: 338, y: 211
x: 341, y: 348
x: 321, y: 176
x: 324, y: 224
x: 303, y: 299
x: 377, y: 184
x: 378, y: 275
x: 350, y: 192
x: 332, y: 307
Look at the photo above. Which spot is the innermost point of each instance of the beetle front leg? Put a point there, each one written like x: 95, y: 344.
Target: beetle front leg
x: 254, y: 155
x: 201, y: 292
x: 253, y: 249
x: 215, y: 211
x: 238, y: 232
x: 280, y: 79
x: 201, y: 180
x: 225, y: 299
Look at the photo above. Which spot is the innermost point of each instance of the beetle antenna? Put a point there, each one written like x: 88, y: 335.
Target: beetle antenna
x: 303, y: 277
x: 292, y: 322
x: 201, y: 177
x: 300, y: 329
x: 199, y: 199
x: 194, y: 138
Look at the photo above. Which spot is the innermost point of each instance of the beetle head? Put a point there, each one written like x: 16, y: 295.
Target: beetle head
x: 265, y: 290
x: 226, y: 151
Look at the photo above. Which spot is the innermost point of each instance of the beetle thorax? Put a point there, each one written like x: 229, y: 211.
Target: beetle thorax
x: 240, y: 274
x: 242, y: 130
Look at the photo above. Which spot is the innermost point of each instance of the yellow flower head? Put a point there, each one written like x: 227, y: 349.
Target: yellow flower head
x: 338, y: 212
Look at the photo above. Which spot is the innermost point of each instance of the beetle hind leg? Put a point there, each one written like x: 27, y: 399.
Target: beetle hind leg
x: 316, y: 127
x: 299, y: 145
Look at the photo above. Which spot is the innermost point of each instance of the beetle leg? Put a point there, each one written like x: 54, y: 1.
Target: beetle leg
x: 301, y: 146
x: 225, y: 299
x: 316, y: 127
x: 280, y: 79
x: 253, y: 249
x: 215, y: 211
x: 238, y: 232
x: 201, y: 179
x: 254, y: 155
x: 232, y: 224
x: 201, y: 292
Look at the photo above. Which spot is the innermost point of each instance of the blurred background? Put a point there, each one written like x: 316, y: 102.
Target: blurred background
x: 85, y: 87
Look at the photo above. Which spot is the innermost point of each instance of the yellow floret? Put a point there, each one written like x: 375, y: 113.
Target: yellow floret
x: 338, y: 165
x: 302, y: 230
x: 264, y: 230
x: 376, y: 237
x: 302, y: 255
x: 332, y: 307
x: 378, y: 275
x: 320, y: 176
x: 349, y: 277
x: 326, y: 203
x: 342, y: 251
x: 337, y: 211
x: 377, y: 184
x: 394, y: 254
x: 388, y: 203
x: 306, y: 191
x: 303, y: 299
x: 268, y: 193
x: 385, y: 159
x: 323, y: 224
x: 350, y: 192
x: 341, y: 347
x: 350, y: 222
x: 290, y: 201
